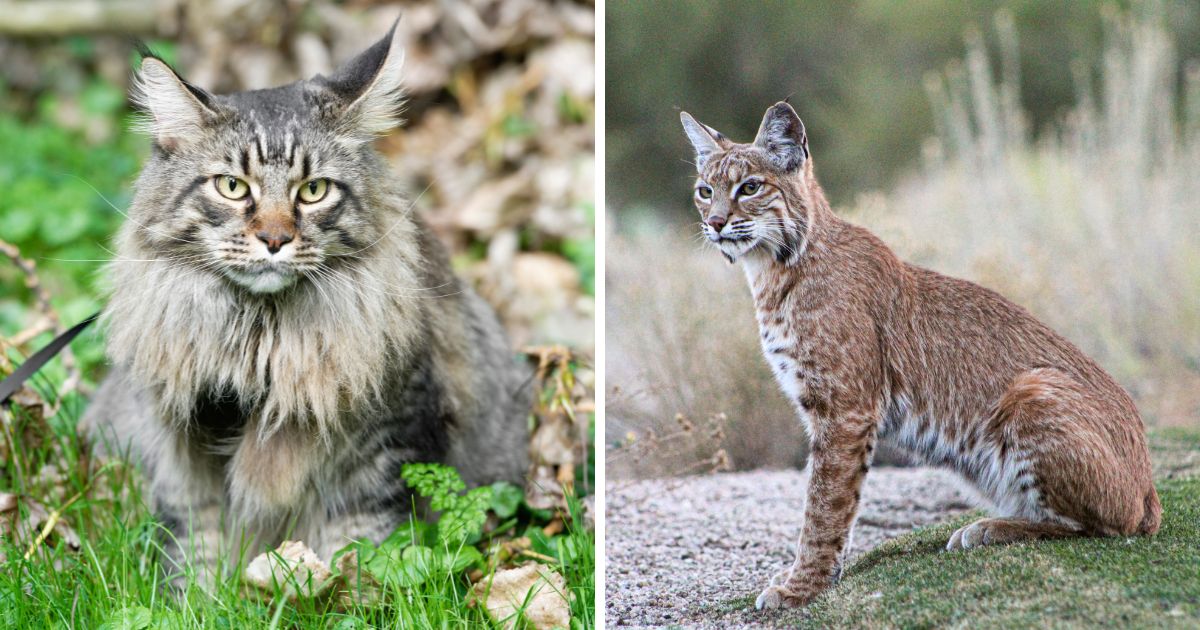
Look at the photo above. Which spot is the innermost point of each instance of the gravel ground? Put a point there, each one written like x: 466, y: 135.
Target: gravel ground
x: 677, y: 550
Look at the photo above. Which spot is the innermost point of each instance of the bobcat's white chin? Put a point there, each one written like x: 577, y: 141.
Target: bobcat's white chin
x: 735, y: 248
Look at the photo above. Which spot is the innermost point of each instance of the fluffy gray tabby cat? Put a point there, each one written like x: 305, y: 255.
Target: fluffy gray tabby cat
x: 284, y: 331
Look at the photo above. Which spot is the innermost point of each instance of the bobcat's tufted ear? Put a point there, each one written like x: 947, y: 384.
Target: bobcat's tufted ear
x: 705, y: 140
x: 370, y: 88
x: 781, y: 135
x: 177, y: 112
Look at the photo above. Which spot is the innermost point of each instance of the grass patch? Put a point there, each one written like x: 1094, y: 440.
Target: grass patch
x: 910, y: 582
x: 104, y: 569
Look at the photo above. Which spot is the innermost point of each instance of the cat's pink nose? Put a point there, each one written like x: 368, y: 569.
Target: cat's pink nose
x: 275, y: 240
x: 716, y: 223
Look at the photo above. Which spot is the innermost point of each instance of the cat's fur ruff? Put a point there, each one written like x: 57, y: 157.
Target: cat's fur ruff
x: 866, y: 346
x: 280, y: 394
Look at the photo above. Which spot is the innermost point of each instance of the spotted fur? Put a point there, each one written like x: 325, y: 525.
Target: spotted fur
x: 276, y: 361
x: 867, y: 347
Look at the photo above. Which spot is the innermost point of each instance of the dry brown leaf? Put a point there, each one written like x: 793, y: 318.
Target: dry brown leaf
x: 292, y: 566
x: 553, y: 442
x: 25, y: 530
x: 542, y: 490
x: 545, y: 276
x: 359, y: 588
x: 532, y: 591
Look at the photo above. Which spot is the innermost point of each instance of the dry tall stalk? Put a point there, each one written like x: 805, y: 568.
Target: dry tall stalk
x: 1095, y: 226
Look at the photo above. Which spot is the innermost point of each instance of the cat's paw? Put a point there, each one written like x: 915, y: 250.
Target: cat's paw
x: 780, y: 597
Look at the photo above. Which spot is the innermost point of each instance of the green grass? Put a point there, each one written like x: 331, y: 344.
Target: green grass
x: 115, y: 580
x: 910, y: 582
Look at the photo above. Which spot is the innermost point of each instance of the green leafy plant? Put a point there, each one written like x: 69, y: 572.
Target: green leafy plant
x: 462, y: 513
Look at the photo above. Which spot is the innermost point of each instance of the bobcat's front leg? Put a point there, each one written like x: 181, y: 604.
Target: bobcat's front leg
x: 838, y: 461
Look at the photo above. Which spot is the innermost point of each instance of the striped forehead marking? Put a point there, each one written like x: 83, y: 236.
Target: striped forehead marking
x: 732, y: 166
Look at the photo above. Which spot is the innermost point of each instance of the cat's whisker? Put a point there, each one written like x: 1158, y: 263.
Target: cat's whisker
x: 402, y: 288
x: 315, y: 280
x: 127, y: 217
x: 362, y: 286
x: 411, y: 205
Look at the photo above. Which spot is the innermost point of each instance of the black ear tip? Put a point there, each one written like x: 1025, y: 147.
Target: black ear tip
x: 142, y: 49
x: 784, y: 108
x: 146, y: 53
x: 391, y: 32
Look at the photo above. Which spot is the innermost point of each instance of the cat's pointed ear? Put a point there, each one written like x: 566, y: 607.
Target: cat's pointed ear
x: 781, y: 136
x: 705, y: 140
x: 176, y: 112
x: 370, y: 87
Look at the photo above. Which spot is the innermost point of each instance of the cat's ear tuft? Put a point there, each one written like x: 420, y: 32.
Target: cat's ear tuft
x: 175, y: 111
x: 782, y: 137
x: 705, y: 140
x: 371, y: 87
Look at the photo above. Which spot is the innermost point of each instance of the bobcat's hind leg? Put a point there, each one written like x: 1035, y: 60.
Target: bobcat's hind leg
x: 1065, y: 461
x: 1002, y: 531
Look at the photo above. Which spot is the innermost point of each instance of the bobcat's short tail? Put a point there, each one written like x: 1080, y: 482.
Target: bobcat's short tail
x: 1153, y: 515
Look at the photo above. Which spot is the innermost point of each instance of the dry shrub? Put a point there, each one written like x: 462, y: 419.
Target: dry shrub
x: 681, y: 339
x: 1095, y: 227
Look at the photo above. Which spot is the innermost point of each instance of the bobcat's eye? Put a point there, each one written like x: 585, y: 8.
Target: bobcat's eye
x: 231, y: 187
x: 313, y: 190
x: 749, y: 188
x: 704, y: 191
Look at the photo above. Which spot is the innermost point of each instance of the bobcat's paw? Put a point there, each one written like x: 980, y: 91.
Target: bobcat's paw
x: 976, y: 534
x: 780, y: 597
x: 781, y: 578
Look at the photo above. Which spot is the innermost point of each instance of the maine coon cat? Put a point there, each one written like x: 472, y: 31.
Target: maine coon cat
x: 867, y: 347
x: 285, y: 333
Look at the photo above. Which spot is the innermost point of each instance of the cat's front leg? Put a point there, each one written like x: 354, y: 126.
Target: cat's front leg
x: 361, y: 521
x: 360, y: 495
x: 188, y: 500
x: 838, y: 464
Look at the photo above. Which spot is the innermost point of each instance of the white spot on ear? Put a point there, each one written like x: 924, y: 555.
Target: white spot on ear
x: 172, y: 113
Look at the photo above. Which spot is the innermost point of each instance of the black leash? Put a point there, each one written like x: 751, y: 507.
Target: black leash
x: 10, y: 385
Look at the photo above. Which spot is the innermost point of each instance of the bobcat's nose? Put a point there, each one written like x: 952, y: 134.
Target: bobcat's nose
x: 275, y: 240
x: 716, y: 223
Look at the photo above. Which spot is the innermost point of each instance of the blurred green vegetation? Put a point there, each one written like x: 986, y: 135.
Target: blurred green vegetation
x: 67, y: 164
x: 854, y: 69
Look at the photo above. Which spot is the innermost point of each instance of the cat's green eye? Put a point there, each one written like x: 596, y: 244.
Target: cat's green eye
x: 705, y: 192
x: 231, y: 187
x: 313, y: 190
x: 749, y: 188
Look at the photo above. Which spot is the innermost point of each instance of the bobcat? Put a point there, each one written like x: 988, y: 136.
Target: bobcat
x: 285, y: 332
x: 867, y: 346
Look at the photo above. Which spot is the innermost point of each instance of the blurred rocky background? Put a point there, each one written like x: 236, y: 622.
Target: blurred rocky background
x: 497, y: 150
